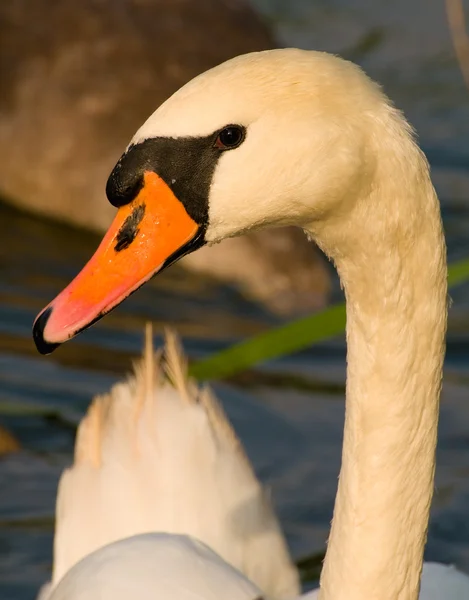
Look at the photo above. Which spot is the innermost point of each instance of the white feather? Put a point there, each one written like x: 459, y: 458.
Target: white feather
x: 157, y: 454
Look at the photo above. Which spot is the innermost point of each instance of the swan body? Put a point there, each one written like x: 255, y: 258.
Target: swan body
x: 291, y: 137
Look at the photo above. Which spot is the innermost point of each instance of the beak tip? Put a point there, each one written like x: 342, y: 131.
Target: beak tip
x: 43, y: 346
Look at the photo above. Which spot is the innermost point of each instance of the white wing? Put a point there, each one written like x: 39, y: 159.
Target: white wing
x: 160, y: 456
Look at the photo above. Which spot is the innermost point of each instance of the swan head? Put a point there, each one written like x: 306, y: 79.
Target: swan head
x: 273, y: 138
x: 265, y: 139
x: 154, y: 565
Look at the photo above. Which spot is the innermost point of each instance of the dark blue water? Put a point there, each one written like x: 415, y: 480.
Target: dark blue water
x: 407, y: 48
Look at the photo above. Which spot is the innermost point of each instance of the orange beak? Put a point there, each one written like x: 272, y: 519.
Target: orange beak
x: 146, y: 235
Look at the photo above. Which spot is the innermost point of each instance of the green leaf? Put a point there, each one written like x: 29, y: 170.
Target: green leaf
x: 291, y: 337
x: 458, y: 272
x: 272, y: 344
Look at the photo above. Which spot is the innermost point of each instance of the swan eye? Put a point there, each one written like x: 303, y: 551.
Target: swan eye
x: 230, y: 137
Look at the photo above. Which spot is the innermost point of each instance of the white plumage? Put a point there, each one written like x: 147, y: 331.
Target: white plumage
x: 157, y: 454
x: 153, y: 566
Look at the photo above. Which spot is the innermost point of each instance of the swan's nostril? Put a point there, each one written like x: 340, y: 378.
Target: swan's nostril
x: 38, y: 332
x: 128, y: 232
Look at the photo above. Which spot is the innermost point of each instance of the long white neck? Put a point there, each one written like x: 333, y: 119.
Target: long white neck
x: 394, y: 275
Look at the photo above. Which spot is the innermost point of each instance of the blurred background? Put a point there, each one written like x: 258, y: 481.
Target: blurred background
x: 76, y: 81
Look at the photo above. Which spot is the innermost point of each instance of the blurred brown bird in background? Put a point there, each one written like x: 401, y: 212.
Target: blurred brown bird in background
x: 78, y: 78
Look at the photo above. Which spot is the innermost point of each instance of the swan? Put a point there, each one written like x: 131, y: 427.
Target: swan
x: 157, y: 454
x: 292, y: 137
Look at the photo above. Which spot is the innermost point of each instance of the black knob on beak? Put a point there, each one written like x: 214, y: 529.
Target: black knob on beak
x: 126, y: 179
